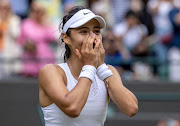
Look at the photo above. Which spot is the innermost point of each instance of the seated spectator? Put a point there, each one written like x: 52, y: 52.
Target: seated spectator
x: 140, y: 6
x: 174, y: 52
x: 9, y: 49
x: 114, y: 54
x: 132, y: 34
x: 163, y: 32
x: 169, y: 122
x: 35, y: 38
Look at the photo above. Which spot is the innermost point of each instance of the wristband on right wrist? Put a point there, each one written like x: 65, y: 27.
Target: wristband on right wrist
x: 103, y: 72
x: 88, y: 71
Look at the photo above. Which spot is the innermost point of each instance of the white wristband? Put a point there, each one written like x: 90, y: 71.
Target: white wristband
x: 88, y: 71
x: 103, y: 72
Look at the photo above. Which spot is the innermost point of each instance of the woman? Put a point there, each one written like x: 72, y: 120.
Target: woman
x: 74, y: 93
x: 9, y: 48
x: 35, y: 39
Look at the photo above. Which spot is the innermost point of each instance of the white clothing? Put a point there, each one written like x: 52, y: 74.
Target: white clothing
x: 174, y: 66
x: 94, y: 111
x: 131, y: 36
x: 11, y: 49
x: 161, y: 19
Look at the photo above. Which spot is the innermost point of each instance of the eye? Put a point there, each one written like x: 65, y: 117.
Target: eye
x: 83, y: 31
x: 97, y: 31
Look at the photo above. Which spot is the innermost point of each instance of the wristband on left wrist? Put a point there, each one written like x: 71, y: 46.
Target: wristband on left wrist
x: 103, y: 72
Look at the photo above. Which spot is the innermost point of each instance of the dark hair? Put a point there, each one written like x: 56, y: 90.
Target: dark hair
x: 64, y: 20
x: 131, y: 13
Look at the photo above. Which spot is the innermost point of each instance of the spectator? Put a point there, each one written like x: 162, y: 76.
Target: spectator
x: 163, y: 31
x: 9, y: 31
x: 169, y: 122
x: 174, y: 52
x: 113, y: 52
x: 67, y: 5
x: 35, y: 38
x: 132, y: 34
x: 97, y: 6
x: 140, y: 6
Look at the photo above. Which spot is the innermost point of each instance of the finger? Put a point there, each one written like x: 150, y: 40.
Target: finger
x: 100, y: 42
x: 84, y: 42
x: 97, y: 46
x: 91, y: 41
x: 101, y: 48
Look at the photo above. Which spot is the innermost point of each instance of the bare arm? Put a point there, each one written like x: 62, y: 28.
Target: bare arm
x: 121, y: 96
x: 52, y: 82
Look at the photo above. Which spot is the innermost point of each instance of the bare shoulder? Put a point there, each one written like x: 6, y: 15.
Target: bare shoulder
x: 48, y: 67
x: 50, y: 72
x: 52, y: 81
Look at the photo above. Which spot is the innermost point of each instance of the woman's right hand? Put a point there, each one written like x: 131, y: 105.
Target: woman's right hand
x: 89, y: 55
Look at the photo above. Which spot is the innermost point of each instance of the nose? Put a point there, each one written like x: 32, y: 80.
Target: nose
x: 91, y: 33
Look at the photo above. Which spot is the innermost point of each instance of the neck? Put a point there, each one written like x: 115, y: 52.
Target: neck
x: 75, y: 66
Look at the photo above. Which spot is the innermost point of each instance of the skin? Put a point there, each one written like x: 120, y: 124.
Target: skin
x: 5, y: 10
x: 52, y: 79
x: 38, y: 13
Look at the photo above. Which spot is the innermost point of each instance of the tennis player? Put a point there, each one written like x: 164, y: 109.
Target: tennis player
x: 77, y: 92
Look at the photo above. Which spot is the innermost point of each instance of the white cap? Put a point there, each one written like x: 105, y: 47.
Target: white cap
x: 82, y: 17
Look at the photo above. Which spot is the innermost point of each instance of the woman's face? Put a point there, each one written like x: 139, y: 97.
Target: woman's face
x: 132, y: 21
x: 110, y: 43
x: 79, y: 34
x: 38, y: 10
x: 4, y: 9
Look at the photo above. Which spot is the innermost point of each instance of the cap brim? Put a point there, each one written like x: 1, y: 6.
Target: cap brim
x: 79, y: 23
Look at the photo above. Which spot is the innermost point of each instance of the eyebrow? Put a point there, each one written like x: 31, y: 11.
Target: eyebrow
x: 96, y: 27
x: 87, y: 27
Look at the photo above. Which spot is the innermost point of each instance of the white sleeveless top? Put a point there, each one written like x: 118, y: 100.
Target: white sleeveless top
x: 93, y: 113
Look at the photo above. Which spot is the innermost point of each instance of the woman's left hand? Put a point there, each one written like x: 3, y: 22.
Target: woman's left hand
x: 101, y: 51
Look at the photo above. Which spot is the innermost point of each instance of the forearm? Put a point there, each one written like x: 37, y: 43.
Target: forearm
x: 124, y: 99
x: 77, y: 97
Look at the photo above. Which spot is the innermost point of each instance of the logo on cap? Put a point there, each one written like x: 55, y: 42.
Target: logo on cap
x: 86, y: 13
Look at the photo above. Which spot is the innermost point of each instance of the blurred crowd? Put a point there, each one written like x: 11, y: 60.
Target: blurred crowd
x: 169, y: 122
x: 141, y: 39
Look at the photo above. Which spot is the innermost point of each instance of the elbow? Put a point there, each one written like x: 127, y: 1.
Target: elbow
x: 73, y: 112
x: 132, y: 110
